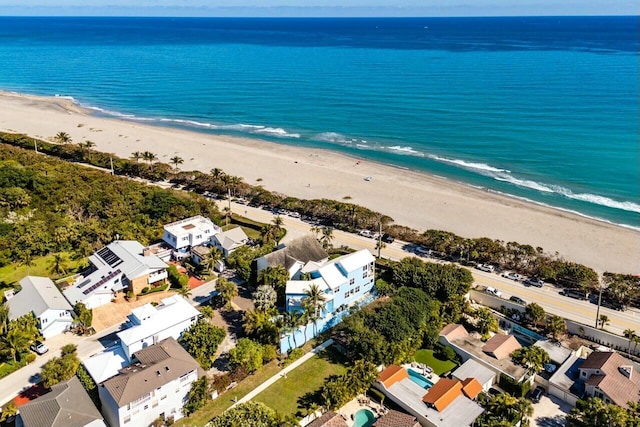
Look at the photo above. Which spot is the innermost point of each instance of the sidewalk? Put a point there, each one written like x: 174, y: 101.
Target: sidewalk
x: 265, y: 385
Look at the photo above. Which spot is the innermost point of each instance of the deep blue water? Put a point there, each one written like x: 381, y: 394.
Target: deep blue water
x: 544, y: 108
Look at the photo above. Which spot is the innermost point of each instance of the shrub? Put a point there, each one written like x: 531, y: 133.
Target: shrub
x: 30, y: 358
x: 220, y: 382
x: 294, y: 354
x: 269, y: 353
x: 145, y: 290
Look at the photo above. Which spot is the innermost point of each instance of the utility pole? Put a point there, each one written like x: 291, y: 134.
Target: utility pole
x: 111, y: 161
x: 229, y: 198
x: 599, y: 302
x: 380, y: 239
x: 35, y: 144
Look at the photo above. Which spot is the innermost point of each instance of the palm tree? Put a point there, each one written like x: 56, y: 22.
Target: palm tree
x: 217, y: 174
x: 532, y: 357
x: 4, y: 317
x: 59, y: 264
x: 327, y: 237
x: 556, y: 325
x: 207, y: 312
x: 149, y: 157
x: 209, y: 261
x: 184, y: 291
x: 277, y: 227
x: 629, y: 334
x: 315, y: 297
x: 290, y: 326
x: 136, y: 155
x: 62, y: 138
x: 175, y: 161
x: 636, y: 341
x: 603, y: 320
x: 268, y: 234
x: 14, y: 342
x: 227, y: 290
x: 89, y: 144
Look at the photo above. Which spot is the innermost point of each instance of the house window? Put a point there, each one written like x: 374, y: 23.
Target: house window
x: 163, y: 397
x: 357, y: 289
x: 337, y: 291
x: 146, y: 407
x: 346, y: 294
x: 199, y: 236
x: 365, y: 274
x: 127, y: 419
x: 351, y: 282
x: 43, y: 320
x: 584, y: 374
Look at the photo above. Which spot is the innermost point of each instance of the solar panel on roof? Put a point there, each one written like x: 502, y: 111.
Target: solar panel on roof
x: 109, y: 257
x: 101, y: 282
x: 83, y: 284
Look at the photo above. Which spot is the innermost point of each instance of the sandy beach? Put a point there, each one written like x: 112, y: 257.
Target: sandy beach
x: 414, y: 199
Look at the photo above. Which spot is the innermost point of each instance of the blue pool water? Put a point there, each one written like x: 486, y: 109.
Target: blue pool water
x: 364, y: 418
x: 419, y: 379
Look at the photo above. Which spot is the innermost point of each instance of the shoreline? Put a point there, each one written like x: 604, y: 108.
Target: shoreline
x: 414, y: 199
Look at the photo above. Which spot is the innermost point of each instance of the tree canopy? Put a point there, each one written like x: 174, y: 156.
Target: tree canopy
x: 201, y: 341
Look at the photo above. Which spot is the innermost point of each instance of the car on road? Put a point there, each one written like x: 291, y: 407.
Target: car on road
x: 531, y: 281
x: 517, y: 300
x: 367, y: 233
x: 536, y: 394
x: 615, y: 305
x: 420, y: 251
x: 581, y: 294
x: 485, y: 267
x: 387, y: 238
x: 494, y: 291
x: 294, y: 214
x: 39, y: 347
x: 513, y: 276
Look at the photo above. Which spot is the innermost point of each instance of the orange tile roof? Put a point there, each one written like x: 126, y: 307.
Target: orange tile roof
x: 443, y: 393
x: 392, y: 374
x: 471, y: 388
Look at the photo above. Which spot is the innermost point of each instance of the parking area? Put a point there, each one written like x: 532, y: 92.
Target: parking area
x: 549, y: 412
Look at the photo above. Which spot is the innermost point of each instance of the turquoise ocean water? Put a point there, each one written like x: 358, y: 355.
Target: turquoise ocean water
x: 540, y: 108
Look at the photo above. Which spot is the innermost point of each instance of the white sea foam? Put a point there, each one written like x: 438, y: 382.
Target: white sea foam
x: 605, y: 201
x: 526, y: 183
x: 468, y: 165
x: 279, y: 132
x: 405, y: 150
x: 332, y: 137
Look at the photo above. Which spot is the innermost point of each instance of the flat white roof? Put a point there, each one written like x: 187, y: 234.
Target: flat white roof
x: 172, y: 311
x: 190, y: 225
x: 299, y: 287
x: 359, y: 259
x: 106, y: 364
x: 473, y: 369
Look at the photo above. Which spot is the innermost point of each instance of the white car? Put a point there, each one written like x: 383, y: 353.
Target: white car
x: 367, y: 233
x: 39, y: 347
x: 485, y: 267
x: 494, y: 291
x: 513, y: 276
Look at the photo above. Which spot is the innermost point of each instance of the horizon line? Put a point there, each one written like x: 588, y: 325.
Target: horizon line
x: 321, y: 17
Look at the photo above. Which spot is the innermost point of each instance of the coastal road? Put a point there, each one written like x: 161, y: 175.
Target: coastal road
x: 547, y: 296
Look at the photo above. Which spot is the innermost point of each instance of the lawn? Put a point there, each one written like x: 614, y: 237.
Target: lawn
x: 218, y: 406
x: 39, y: 267
x: 284, y: 396
x: 439, y: 366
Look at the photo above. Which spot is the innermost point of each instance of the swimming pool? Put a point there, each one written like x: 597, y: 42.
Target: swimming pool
x: 363, y: 418
x: 419, y: 379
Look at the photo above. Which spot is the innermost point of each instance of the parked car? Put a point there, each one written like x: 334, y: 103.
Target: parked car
x: 550, y: 367
x: 581, y: 294
x: 517, y: 300
x: 420, y: 251
x: 615, y: 305
x: 534, y: 282
x: 387, y: 238
x: 494, y: 291
x: 485, y: 267
x: 39, y: 347
x: 537, y: 394
x: 294, y: 214
x: 367, y: 233
x: 513, y: 276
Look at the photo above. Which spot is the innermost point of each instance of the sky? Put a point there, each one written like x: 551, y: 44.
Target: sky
x: 318, y: 8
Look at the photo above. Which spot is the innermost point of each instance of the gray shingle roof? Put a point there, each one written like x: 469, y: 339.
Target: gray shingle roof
x: 396, y: 419
x: 66, y: 405
x: 159, y: 364
x: 303, y: 249
x: 38, y: 294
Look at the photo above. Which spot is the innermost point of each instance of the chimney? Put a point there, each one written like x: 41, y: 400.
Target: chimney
x: 146, y: 252
x: 626, y: 370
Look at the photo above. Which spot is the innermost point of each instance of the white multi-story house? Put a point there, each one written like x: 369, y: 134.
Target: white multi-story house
x: 230, y: 240
x: 123, y: 264
x: 343, y: 281
x: 40, y: 296
x: 157, y: 385
x: 150, y: 325
x: 182, y: 235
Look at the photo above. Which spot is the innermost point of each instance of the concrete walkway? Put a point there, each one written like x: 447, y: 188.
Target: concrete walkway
x: 265, y: 385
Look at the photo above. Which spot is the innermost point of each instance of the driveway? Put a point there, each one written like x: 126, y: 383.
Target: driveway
x: 549, y: 412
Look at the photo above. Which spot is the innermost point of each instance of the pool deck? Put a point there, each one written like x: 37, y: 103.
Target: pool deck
x: 349, y: 410
x: 422, y: 370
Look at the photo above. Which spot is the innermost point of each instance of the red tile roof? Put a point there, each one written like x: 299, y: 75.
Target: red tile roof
x: 471, y: 388
x: 328, y: 419
x: 396, y: 419
x: 443, y: 393
x: 392, y: 374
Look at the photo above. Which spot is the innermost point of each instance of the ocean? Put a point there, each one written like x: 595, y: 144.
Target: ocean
x: 540, y: 108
